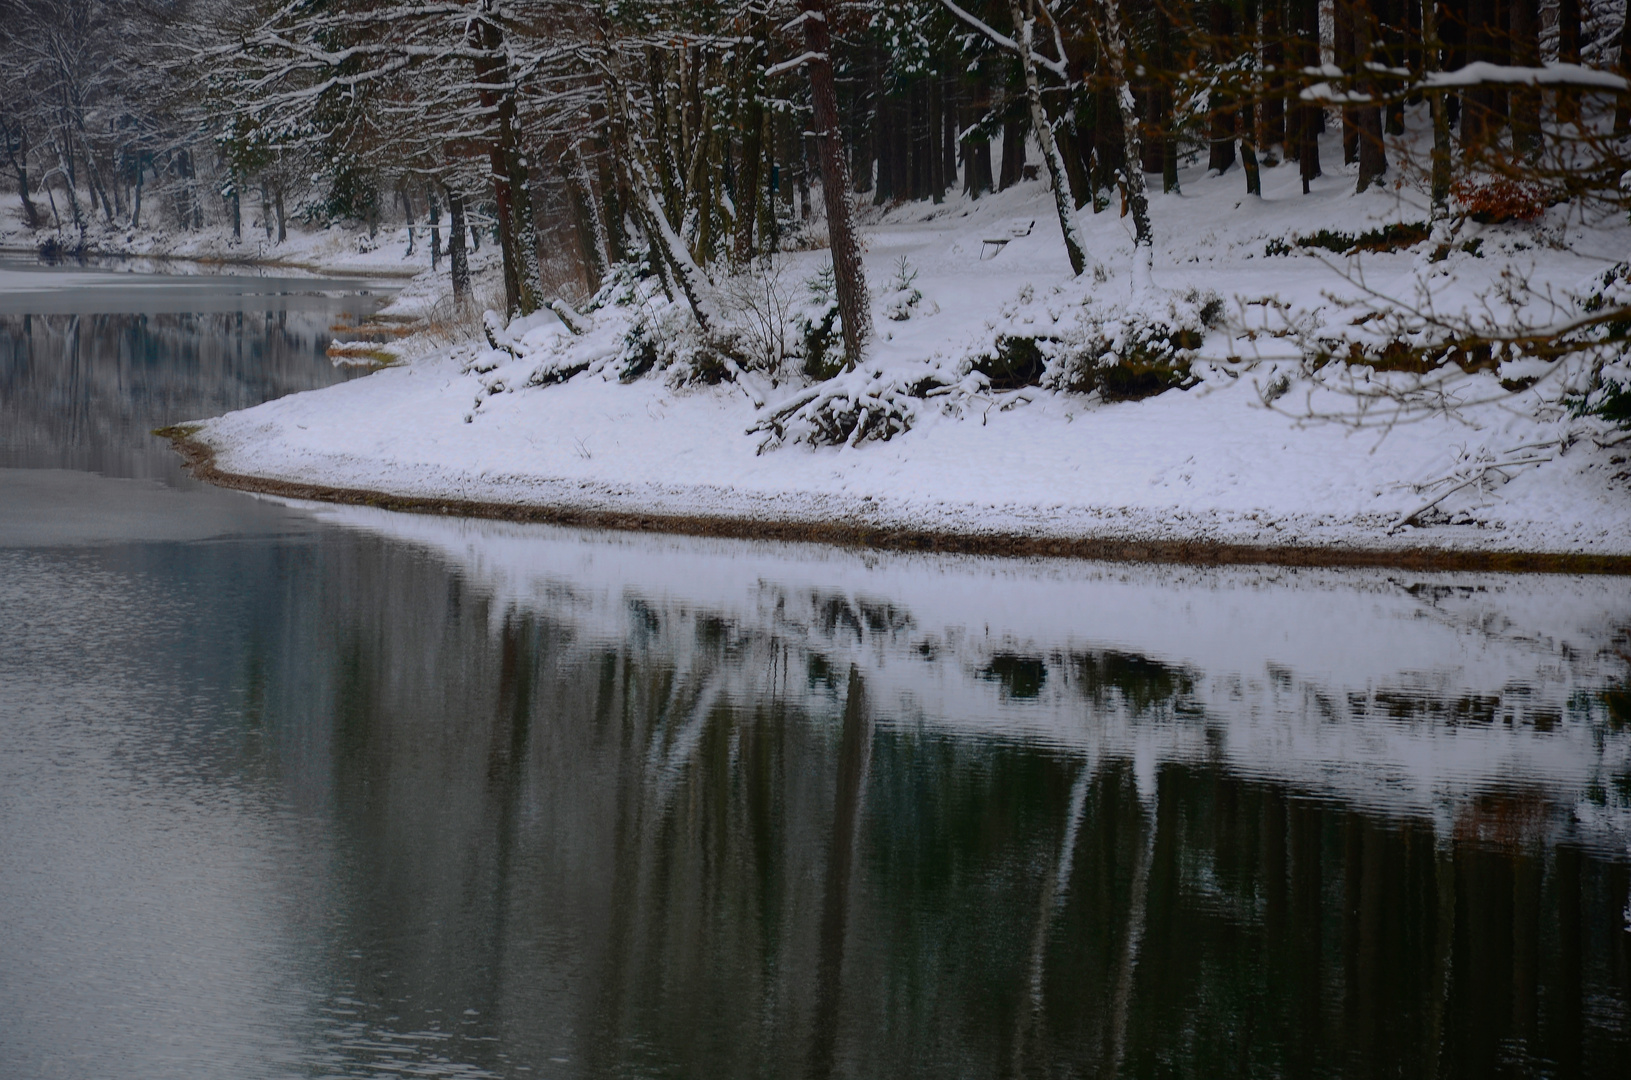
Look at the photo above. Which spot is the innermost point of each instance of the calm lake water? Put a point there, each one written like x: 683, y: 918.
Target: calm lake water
x: 293, y: 791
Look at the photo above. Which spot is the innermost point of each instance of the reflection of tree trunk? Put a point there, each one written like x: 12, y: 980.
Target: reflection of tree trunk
x: 1567, y: 1002
x: 854, y: 754
x: 1138, y: 903
x: 1048, y: 902
x: 1443, y: 937
x: 1306, y: 918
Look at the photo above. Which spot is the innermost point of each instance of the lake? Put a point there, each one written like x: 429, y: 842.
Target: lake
x: 305, y: 791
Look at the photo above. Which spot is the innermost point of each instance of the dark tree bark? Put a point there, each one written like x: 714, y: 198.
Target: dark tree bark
x: 1246, y: 119
x: 1525, y: 103
x: 849, y: 276
x: 435, y: 228
x: 512, y: 186
x: 883, y: 150
x: 1342, y: 49
x: 748, y: 179
x: 1225, y: 43
x: 1312, y: 117
x: 1014, y: 132
x: 1273, y: 120
x: 1622, y: 110
x: 1568, y: 52
x: 1372, y: 150
x: 1478, y: 126
x: 16, y: 140
x: 458, y: 263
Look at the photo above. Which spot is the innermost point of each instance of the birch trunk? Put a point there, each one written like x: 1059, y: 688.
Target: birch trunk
x: 1063, y: 203
x: 1113, y: 47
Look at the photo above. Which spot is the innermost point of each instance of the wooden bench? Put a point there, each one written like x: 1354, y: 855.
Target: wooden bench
x: 1000, y: 242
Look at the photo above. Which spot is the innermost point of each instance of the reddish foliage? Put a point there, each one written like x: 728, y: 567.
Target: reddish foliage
x: 1496, y: 200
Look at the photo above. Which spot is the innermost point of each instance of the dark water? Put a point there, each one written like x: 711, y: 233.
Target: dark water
x: 298, y: 791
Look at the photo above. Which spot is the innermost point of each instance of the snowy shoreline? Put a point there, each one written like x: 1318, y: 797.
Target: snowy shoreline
x: 857, y: 525
x: 1206, y: 474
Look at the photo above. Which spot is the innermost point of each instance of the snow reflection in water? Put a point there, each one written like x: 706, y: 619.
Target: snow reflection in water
x: 484, y: 797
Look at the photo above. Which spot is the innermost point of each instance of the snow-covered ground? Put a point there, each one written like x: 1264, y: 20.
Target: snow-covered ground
x: 1210, y: 464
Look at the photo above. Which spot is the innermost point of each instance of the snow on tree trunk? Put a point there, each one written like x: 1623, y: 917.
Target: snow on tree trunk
x: 698, y: 290
x: 1064, y: 204
x: 1113, y: 42
x: 1439, y: 211
x: 849, y: 277
x: 512, y: 188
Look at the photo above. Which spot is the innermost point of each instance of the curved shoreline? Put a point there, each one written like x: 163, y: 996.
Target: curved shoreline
x: 199, y: 459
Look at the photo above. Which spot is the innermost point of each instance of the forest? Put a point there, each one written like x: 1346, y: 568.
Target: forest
x: 681, y: 143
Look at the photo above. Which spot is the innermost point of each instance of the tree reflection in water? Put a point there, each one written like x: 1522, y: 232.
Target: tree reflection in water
x: 651, y: 835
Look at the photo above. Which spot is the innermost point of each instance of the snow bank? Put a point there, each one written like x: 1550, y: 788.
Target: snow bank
x: 1209, y: 464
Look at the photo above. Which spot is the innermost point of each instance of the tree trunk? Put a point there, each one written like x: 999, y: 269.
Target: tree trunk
x: 1439, y: 188
x: 1342, y: 51
x: 1221, y: 121
x: 1064, y: 204
x: 1622, y: 109
x: 282, y: 220
x: 1372, y: 150
x: 1525, y: 104
x: 1568, y: 52
x: 407, y: 211
x: 1013, y: 151
x: 748, y: 179
x: 457, y: 263
x: 849, y: 277
x: 1310, y: 116
x: 600, y: 245
x: 1476, y: 126
x: 435, y: 214
x: 136, y: 196
x: 17, y: 153
x: 1246, y: 121
x: 1113, y: 42
x: 1274, y: 61
x: 512, y: 187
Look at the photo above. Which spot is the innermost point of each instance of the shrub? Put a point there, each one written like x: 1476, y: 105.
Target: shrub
x: 1131, y: 354
x: 1014, y: 361
x: 1498, y: 200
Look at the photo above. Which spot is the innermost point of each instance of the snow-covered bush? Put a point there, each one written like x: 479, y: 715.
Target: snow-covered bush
x: 1122, y: 352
